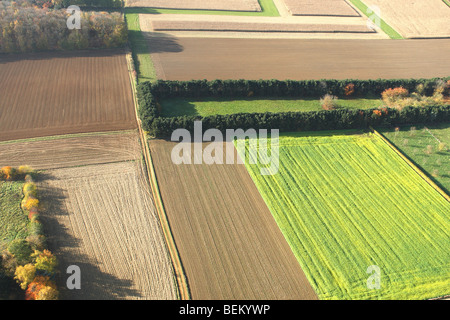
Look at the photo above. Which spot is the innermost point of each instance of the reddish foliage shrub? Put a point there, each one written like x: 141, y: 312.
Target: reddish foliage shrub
x: 39, y: 283
x: 377, y: 113
x: 349, y: 89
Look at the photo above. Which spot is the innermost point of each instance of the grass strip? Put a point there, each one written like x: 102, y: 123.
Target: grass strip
x: 140, y: 50
x: 383, y: 25
x: 173, y: 107
x: 446, y: 2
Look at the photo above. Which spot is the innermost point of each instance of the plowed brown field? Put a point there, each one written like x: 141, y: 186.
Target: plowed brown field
x: 159, y: 25
x: 47, y: 94
x: 101, y: 218
x: 70, y: 151
x: 218, y: 58
x: 228, y: 5
x: 320, y: 8
x: 229, y: 244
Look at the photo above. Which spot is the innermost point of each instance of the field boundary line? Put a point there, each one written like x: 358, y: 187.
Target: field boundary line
x: 412, y: 165
x: 181, y: 280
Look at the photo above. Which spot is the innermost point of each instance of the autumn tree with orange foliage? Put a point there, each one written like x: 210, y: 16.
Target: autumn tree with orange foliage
x: 8, y: 173
x: 40, y: 283
x: 391, y: 96
x: 349, y: 89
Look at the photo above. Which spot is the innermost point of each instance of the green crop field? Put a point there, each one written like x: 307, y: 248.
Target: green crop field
x: 13, y: 221
x: 347, y: 201
x: 428, y: 147
x: 13, y: 226
x: 172, y: 107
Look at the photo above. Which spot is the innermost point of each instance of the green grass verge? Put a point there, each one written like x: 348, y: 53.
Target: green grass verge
x: 422, y: 147
x: 348, y: 202
x: 13, y: 222
x: 140, y: 49
x: 172, y: 107
x: 383, y: 25
x: 268, y: 8
x: 447, y: 2
x: 13, y: 225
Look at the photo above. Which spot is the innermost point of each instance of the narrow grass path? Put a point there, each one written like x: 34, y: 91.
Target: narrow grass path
x: 140, y: 50
x: 383, y: 25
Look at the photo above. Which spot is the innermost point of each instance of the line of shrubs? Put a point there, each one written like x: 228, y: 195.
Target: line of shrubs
x: 150, y: 110
x: 284, y: 88
x: 28, y: 260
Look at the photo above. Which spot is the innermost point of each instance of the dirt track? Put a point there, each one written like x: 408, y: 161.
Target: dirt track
x: 47, y: 94
x: 228, y: 241
x: 102, y: 219
x: 218, y: 58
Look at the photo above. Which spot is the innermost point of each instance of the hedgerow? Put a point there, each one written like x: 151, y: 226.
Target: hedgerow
x: 31, y: 264
x: 150, y: 113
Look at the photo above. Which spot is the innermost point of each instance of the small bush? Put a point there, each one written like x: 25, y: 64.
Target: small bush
x: 391, y: 97
x: 9, y: 263
x: 35, y: 227
x: 441, y: 86
x: 33, y: 214
x: 45, y: 261
x: 420, y: 89
x: 24, y: 170
x: 24, y: 275
x: 36, y: 241
x: 21, y: 250
x: 39, y: 283
x: 8, y: 173
x: 329, y: 102
x: 349, y: 89
x: 29, y: 203
x: 48, y: 293
x: 30, y: 189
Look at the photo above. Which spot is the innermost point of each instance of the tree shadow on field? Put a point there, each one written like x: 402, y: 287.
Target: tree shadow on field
x: 160, y: 44
x: 178, y: 107
x: 95, y: 284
